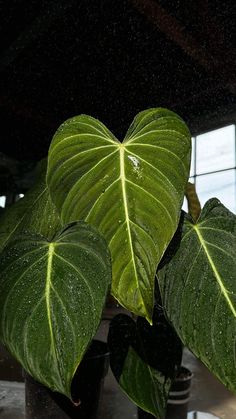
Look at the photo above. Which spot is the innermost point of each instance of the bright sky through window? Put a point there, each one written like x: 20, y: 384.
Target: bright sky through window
x: 213, y: 166
x: 2, y: 201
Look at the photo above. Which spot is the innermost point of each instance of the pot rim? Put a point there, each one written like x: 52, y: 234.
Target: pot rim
x: 184, y: 370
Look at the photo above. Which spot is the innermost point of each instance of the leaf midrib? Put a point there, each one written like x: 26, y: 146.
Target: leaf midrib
x: 48, y: 287
x: 214, y: 269
x: 47, y: 294
x: 127, y: 219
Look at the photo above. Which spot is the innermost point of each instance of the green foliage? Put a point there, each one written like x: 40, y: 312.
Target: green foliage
x: 144, y: 359
x: 55, y: 268
x: 131, y: 191
x: 34, y: 213
x: 198, y: 289
x: 51, y: 299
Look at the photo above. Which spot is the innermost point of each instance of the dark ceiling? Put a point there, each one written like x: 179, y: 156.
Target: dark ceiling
x: 111, y: 59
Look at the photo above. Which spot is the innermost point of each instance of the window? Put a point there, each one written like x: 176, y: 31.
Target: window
x: 9, y: 199
x: 213, y: 166
x: 2, y: 201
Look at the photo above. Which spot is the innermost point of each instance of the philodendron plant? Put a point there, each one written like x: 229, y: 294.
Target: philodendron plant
x: 105, y: 216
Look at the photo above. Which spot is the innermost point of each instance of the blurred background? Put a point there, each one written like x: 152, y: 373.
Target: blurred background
x: 111, y: 59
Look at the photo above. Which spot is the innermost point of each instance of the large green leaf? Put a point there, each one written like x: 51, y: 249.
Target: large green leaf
x: 51, y: 299
x: 144, y: 360
x: 198, y: 288
x: 132, y: 192
x: 34, y: 213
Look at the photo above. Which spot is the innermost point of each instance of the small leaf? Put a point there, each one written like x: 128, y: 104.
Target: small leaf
x: 198, y: 288
x: 35, y: 213
x: 132, y: 192
x: 144, y: 360
x: 51, y: 300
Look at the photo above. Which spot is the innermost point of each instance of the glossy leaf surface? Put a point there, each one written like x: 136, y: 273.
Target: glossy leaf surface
x: 51, y: 299
x: 132, y: 192
x: 144, y: 360
x: 198, y: 289
x: 34, y: 213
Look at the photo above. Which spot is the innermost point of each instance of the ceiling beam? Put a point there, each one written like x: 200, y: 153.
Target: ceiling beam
x: 219, y: 66
x: 175, y: 31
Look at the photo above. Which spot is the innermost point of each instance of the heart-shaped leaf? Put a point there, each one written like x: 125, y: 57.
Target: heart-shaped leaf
x: 35, y: 212
x: 131, y: 191
x: 198, y: 288
x: 51, y: 300
x: 144, y: 360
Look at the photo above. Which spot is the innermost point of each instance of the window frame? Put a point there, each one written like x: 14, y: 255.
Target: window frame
x: 193, y: 169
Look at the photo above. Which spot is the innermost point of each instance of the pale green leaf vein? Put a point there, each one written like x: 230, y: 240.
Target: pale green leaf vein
x: 23, y: 257
x: 161, y: 148
x: 215, y: 272
x: 139, y: 227
x: 99, y: 198
x: 51, y: 253
x: 149, y: 123
x: 26, y: 329
x: 181, y: 314
x: 81, y: 179
x: 88, y: 150
x: 103, y: 133
x: 88, y: 249
x: 96, y: 129
x: 153, y: 167
x: 117, y: 232
x: 65, y: 310
x: 93, y: 310
x: 123, y: 184
x: 62, y: 146
x: 94, y: 167
x: 174, y: 132
x: 15, y: 285
x: 220, y: 249
x: 160, y: 204
x: 228, y: 233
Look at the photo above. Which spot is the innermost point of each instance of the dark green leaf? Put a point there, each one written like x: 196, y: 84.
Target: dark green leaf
x: 35, y: 213
x: 144, y: 360
x: 132, y: 192
x: 51, y: 299
x: 198, y: 289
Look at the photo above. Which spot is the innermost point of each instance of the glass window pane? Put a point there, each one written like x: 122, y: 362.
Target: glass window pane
x: 185, y: 205
x: 218, y: 185
x: 2, y: 201
x: 192, y: 167
x: 215, y: 150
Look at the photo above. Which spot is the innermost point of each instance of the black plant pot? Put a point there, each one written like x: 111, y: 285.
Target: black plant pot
x: 42, y: 403
x: 177, y: 407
